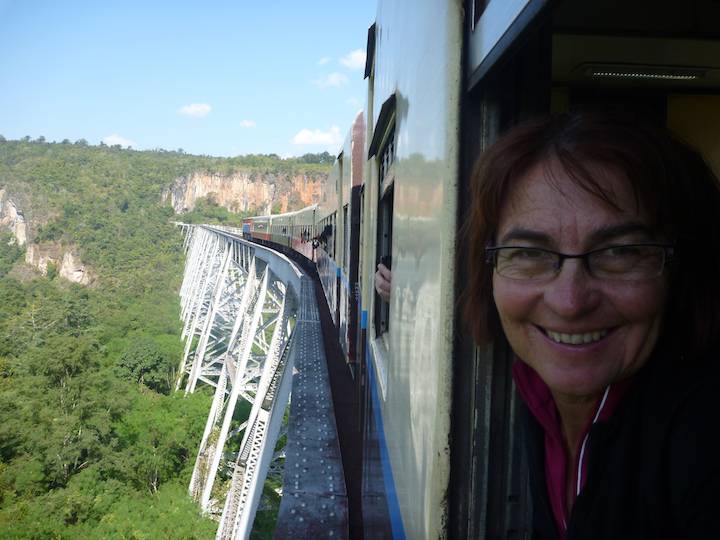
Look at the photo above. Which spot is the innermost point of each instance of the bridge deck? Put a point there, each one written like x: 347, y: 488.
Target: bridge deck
x: 314, y: 503
x: 341, y: 398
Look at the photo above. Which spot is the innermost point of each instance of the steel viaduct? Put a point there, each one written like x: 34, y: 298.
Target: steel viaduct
x: 251, y: 329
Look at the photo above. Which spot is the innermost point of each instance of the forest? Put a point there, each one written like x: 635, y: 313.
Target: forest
x: 93, y: 441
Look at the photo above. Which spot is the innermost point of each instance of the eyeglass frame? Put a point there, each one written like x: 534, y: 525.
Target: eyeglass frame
x: 668, y: 254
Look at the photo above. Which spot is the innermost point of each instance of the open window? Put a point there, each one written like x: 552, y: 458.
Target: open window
x: 383, y: 146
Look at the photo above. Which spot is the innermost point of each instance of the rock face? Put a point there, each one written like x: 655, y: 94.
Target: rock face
x: 65, y: 260
x: 245, y: 192
x: 12, y: 219
x: 73, y: 269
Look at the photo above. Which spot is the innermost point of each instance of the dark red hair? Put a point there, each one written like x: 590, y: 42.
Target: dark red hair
x: 670, y: 180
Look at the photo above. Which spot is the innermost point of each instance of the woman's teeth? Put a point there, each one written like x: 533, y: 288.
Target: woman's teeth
x: 577, y: 339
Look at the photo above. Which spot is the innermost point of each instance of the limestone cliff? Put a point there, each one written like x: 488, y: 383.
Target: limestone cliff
x: 64, y: 259
x: 245, y: 191
x: 12, y: 219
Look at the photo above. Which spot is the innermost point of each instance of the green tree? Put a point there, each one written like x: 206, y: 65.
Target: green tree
x: 159, y: 439
x: 10, y: 253
x: 90, y: 447
x: 52, y: 271
x: 146, y: 362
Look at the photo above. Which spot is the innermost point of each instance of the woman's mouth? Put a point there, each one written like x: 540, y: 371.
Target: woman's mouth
x: 576, y: 339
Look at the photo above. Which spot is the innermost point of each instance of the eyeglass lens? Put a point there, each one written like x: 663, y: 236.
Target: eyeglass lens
x: 628, y: 262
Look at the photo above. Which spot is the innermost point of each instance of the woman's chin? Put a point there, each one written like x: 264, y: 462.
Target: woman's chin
x: 575, y: 382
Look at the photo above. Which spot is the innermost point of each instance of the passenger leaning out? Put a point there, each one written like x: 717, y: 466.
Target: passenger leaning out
x: 594, y: 248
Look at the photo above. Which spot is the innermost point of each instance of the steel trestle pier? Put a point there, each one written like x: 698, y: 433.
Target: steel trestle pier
x: 252, y: 332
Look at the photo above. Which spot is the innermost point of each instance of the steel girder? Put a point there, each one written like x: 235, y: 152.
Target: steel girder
x: 231, y: 303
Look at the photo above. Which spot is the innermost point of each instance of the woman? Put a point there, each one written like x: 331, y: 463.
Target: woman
x: 594, y: 246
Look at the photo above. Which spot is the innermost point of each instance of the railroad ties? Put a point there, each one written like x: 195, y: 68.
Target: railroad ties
x: 252, y: 332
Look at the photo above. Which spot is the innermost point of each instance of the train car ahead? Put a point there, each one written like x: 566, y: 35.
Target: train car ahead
x: 303, y: 231
x: 261, y: 228
x: 247, y: 228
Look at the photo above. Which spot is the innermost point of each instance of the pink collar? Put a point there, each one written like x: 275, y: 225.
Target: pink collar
x: 536, y: 395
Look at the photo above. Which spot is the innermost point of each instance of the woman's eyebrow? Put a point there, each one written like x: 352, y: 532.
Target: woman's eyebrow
x: 528, y: 235
x: 598, y: 236
x: 611, y: 232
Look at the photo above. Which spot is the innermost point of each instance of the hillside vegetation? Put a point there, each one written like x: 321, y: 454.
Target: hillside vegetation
x: 93, y: 443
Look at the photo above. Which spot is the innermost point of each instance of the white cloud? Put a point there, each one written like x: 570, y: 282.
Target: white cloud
x: 112, y: 140
x: 324, y: 60
x: 354, y: 59
x: 353, y: 102
x: 247, y: 123
x: 333, y: 80
x: 330, y: 139
x: 195, y: 110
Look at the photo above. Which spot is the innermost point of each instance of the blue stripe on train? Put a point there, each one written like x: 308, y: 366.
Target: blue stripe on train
x: 396, y: 523
x: 363, y: 320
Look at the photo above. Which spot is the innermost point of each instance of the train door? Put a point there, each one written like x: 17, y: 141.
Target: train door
x: 659, y: 60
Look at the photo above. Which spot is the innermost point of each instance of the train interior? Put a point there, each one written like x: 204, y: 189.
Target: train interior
x: 657, y: 59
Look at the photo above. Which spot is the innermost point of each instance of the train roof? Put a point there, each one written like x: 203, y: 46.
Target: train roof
x: 286, y: 214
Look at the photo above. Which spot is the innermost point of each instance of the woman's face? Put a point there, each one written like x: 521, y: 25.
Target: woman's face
x: 616, y: 322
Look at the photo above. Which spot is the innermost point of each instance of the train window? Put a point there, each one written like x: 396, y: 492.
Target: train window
x: 386, y: 178
x: 346, y: 238
x: 327, y: 227
x: 331, y: 233
x: 327, y: 236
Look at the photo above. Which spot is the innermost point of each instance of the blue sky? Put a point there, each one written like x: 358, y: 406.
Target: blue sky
x: 220, y: 78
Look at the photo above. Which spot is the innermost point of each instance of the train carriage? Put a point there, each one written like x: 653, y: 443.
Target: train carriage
x: 409, y: 222
x: 261, y: 228
x: 356, y: 150
x: 337, y: 254
x: 328, y: 239
x: 303, y: 231
x: 281, y: 229
x: 352, y: 159
x: 247, y: 227
x: 440, y: 452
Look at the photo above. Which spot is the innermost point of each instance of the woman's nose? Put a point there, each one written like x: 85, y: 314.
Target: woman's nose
x: 572, y: 293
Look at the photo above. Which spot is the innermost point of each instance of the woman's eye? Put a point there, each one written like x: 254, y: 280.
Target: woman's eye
x: 524, y: 255
x: 623, y: 251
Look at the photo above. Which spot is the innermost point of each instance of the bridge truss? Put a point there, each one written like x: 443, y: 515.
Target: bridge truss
x: 240, y: 314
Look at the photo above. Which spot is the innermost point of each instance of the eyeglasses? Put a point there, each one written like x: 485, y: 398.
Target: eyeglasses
x: 628, y: 262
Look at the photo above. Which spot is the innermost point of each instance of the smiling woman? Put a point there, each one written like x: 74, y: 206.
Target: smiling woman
x: 552, y: 322
x: 592, y: 248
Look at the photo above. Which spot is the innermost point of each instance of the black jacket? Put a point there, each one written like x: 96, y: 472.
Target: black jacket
x: 653, y: 468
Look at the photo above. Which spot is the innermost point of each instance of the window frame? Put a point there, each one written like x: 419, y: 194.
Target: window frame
x: 386, y: 158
